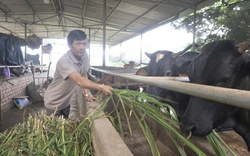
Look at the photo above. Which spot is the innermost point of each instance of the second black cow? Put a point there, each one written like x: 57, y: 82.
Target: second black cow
x: 167, y: 63
x: 223, y: 64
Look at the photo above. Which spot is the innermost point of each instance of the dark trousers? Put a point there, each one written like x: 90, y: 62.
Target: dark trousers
x: 64, y: 112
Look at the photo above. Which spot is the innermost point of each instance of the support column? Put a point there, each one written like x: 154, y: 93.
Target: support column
x: 193, y: 47
x: 141, y: 51
x: 25, y: 38
x: 104, y: 33
x: 89, y: 42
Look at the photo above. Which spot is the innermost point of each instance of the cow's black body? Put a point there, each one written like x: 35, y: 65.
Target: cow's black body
x: 219, y: 64
x: 164, y: 63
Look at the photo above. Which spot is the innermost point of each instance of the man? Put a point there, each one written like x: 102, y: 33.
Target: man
x: 71, y: 70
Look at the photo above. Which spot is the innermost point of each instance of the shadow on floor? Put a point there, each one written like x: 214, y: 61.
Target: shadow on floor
x: 16, y: 115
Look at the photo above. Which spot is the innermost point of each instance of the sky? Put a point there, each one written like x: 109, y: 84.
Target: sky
x: 161, y: 38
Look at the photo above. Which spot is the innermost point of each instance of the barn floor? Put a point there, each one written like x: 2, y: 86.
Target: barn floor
x: 16, y: 115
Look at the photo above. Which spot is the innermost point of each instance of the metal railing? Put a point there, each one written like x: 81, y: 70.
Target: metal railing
x: 234, y: 97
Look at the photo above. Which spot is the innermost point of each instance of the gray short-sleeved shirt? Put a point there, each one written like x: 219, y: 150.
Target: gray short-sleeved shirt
x: 58, y: 94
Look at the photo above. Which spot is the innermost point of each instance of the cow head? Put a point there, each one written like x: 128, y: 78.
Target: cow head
x: 222, y: 64
x: 159, y: 65
x: 180, y: 64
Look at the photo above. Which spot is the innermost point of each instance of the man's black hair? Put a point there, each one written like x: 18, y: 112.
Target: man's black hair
x: 76, y: 35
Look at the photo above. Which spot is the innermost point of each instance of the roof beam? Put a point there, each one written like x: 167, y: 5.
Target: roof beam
x: 62, y: 17
x: 111, y: 13
x: 7, y: 13
x: 56, y: 11
x: 8, y: 30
x: 57, y: 5
x: 44, y: 19
x: 21, y: 23
x: 167, y: 2
x: 116, y: 26
x: 124, y: 28
x: 35, y: 16
x: 70, y: 26
x: 4, y: 8
x: 83, y: 11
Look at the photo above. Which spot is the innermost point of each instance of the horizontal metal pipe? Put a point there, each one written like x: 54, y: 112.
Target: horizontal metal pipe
x: 36, y: 66
x: 234, y: 97
x: 10, y: 66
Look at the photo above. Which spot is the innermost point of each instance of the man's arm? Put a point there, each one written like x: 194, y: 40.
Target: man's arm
x: 85, y: 83
x: 85, y: 91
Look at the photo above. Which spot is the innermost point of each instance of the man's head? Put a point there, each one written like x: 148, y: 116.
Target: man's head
x: 76, y: 35
x: 78, y: 43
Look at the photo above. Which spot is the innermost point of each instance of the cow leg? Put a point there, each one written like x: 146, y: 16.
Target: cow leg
x: 244, y: 132
x: 241, y: 127
x: 238, y: 126
x: 182, y: 102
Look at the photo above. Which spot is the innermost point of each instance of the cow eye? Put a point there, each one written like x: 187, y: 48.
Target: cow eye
x: 168, y: 73
x: 225, y: 79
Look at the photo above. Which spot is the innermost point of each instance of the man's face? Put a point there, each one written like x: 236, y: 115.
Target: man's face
x: 78, y: 48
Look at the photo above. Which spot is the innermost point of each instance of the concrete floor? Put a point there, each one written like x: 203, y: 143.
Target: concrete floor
x: 16, y: 115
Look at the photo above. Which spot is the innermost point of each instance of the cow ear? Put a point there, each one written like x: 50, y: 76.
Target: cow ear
x: 148, y: 54
x: 183, y: 70
x: 246, y: 63
x: 242, y: 47
x: 175, y: 55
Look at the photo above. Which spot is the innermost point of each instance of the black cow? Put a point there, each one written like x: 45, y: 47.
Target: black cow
x: 222, y: 64
x: 167, y: 63
x: 159, y: 65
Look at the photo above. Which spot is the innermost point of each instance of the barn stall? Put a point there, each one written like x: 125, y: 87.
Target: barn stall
x: 116, y: 34
x: 235, y: 97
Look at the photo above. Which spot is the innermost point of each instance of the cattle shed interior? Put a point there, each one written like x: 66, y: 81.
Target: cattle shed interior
x: 107, y: 23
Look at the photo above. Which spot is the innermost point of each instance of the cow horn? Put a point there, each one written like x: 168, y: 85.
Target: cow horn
x: 148, y: 54
x: 243, y: 46
x: 175, y: 55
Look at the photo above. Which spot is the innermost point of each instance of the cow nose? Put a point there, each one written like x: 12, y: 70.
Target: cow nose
x: 168, y: 73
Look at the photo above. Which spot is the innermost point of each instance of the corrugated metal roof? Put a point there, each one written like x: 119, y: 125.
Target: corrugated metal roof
x: 124, y: 18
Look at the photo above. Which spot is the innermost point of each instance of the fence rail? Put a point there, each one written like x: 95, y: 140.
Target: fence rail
x: 234, y: 97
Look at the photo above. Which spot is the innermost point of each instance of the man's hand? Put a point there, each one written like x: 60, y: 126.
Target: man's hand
x: 90, y: 99
x: 106, y: 89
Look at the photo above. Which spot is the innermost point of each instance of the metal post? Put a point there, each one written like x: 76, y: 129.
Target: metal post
x: 34, y: 80
x: 195, y: 8
x: 141, y: 52
x: 104, y: 32
x: 25, y: 38
x: 89, y: 42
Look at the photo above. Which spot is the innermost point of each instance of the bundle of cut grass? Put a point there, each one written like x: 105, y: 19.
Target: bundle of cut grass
x: 48, y: 136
